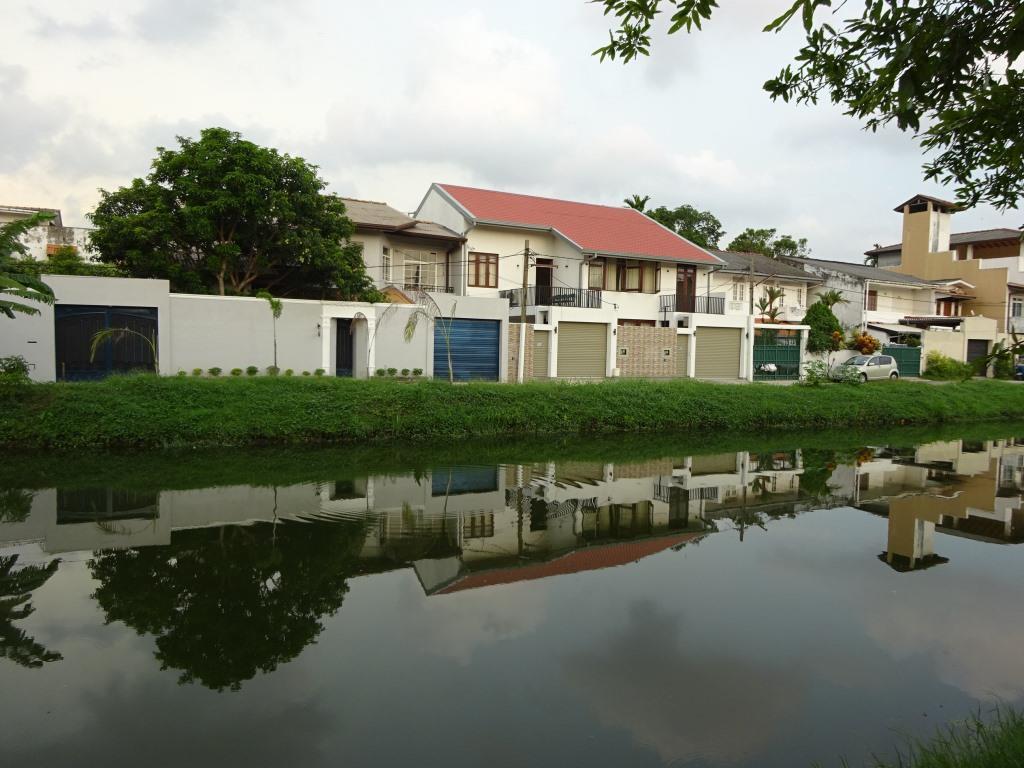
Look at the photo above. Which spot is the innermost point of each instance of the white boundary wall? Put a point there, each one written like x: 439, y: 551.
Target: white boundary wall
x: 198, y: 331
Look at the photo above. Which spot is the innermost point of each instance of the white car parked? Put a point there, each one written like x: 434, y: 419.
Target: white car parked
x: 869, y: 367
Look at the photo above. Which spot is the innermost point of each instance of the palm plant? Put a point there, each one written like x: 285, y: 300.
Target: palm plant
x: 638, y: 202
x: 17, y: 287
x: 426, y: 309
x: 832, y: 297
x: 114, y: 335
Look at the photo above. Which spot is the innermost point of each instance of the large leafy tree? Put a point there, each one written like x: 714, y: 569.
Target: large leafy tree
x: 224, y: 215
x: 228, y: 603
x: 18, y: 282
x: 700, y: 227
x: 767, y: 242
x: 941, y: 69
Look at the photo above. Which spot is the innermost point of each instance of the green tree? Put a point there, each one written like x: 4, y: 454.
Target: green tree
x: 228, y: 603
x: 700, y: 227
x: 16, y: 587
x: 221, y: 214
x: 822, y: 337
x: 940, y: 69
x: 66, y: 260
x: 18, y: 284
x: 276, y: 307
x: 765, y: 241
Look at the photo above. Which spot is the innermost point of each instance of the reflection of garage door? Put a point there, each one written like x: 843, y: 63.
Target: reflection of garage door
x: 541, y: 346
x: 718, y: 353
x: 682, y: 354
x: 976, y: 349
x: 582, y: 350
x: 475, y: 345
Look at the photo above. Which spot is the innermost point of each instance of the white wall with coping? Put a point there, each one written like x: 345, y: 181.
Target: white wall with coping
x: 200, y: 331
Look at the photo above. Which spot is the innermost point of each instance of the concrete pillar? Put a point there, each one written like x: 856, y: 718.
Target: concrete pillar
x: 803, y: 350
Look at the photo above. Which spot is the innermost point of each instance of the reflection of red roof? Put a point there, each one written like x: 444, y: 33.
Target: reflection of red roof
x: 599, y: 228
x: 577, y: 561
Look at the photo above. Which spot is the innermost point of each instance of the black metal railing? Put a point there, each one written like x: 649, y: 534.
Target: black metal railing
x: 707, y: 305
x: 554, y: 296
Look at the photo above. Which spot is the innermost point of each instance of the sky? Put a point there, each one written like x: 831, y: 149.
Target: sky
x: 388, y: 97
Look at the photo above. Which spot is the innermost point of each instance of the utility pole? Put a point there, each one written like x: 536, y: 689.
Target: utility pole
x: 751, y: 285
x: 522, y: 312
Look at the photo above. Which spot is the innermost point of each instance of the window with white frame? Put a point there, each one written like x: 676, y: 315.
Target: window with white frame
x: 423, y: 270
x: 1017, y: 306
x: 799, y: 297
x: 738, y: 289
x: 385, y: 263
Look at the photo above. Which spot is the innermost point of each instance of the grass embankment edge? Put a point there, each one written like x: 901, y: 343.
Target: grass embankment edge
x: 153, y: 412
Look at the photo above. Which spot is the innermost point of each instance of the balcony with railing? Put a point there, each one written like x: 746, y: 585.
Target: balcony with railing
x: 554, y: 296
x: 706, y: 305
x: 416, y: 286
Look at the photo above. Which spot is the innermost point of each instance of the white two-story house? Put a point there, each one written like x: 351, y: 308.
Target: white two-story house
x: 746, y: 278
x: 609, y: 291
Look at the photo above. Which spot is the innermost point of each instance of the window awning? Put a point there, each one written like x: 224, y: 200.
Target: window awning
x: 896, y: 329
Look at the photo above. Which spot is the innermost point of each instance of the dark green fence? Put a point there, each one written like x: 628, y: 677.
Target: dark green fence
x: 908, y: 359
x: 777, y: 362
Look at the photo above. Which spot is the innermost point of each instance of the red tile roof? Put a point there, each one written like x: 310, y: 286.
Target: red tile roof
x: 577, y: 561
x: 598, y: 228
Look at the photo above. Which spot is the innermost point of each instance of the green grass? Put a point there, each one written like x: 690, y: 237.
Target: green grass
x: 977, y: 743
x: 151, y: 411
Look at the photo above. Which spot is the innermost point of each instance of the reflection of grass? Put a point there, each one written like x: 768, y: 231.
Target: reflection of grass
x: 268, y: 466
x: 975, y: 743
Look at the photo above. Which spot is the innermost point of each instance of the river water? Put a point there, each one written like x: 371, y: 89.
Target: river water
x: 608, y: 603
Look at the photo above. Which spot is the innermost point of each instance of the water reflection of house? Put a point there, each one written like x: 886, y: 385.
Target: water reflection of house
x: 961, y: 488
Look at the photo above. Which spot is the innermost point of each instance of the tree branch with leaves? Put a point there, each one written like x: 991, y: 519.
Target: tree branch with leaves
x: 942, y: 70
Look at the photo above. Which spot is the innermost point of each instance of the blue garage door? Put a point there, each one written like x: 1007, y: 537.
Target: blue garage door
x: 475, y: 346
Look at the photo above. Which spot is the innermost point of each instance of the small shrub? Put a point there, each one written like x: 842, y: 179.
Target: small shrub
x: 405, y: 372
x: 183, y: 373
x: 944, y: 368
x: 863, y: 342
x: 197, y: 371
x: 847, y: 374
x: 319, y: 372
x: 14, y: 370
x: 236, y: 371
x: 392, y: 371
x: 305, y: 373
x: 816, y: 373
x: 381, y: 372
x: 273, y: 370
x: 215, y: 371
x: 417, y: 371
x: 252, y: 370
x: 289, y: 372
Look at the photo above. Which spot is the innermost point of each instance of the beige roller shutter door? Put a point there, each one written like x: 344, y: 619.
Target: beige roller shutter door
x: 718, y: 353
x: 541, y: 346
x: 582, y: 350
x: 682, y: 354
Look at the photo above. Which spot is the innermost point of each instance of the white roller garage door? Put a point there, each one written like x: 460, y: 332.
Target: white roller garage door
x: 718, y: 352
x: 582, y: 350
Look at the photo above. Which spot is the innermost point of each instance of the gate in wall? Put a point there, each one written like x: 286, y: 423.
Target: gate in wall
x: 908, y: 359
x: 776, y: 358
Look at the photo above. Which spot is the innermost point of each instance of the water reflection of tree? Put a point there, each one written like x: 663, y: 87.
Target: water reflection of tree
x: 16, y: 587
x: 227, y: 603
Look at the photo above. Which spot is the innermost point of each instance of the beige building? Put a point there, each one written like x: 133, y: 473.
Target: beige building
x: 989, y: 263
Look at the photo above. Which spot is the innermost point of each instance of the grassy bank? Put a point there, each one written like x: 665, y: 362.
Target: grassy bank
x: 977, y: 743
x: 149, y: 411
